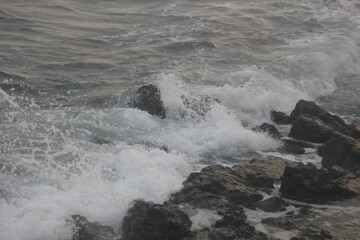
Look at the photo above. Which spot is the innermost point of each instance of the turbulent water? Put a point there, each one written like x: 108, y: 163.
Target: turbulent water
x: 70, y: 143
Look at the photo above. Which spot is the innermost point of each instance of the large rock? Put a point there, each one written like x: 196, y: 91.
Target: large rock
x: 280, y: 117
x: 310, y: 108
x: 310, y: 129
x: 308, y: 183
x: 334, y: 122
x: 148, y: 99
x: 85, y: 230
x: 341, y: 150
x: 216, y: 187
x: 271, y: 130
x: 146, y: 220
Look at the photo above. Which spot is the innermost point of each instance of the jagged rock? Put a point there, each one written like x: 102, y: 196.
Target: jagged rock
x: 333, y: 122
x: 148, y: 99
x: 272, y: 204
x: 310, y: 108
x: 146, y: 220
x: 85, y: 230
x: 307, y: 183
x: 271, y: 130
x: 216, y: 187
x: 271, y: 167
x: 280, y: 117
x: 341, y: 150
x: 310, y: 129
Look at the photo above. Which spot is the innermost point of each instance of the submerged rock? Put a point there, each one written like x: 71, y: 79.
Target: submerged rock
x: 341, y: 150
x: 280, y: 117
x: 148, y: 99
x: 308, y: 183
x: 85, y: 230
x: 310, y: 129
x: 269, y: 129
x: 146, y: 220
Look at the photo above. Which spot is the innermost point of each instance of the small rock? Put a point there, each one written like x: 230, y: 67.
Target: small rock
x: 148, y: 99
x: 146, y: 220
x: 271, y: 130
x: 341, y: 150
x: 310, y: 129
x: 85, y: 230
x: 280, y: 118
x: 272, y: 204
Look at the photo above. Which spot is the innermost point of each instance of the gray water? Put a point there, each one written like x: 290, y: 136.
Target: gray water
x: 69, y: 143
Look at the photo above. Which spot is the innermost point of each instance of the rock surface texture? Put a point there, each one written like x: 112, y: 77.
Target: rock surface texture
x: 146, y: 220
x: 341, y: 150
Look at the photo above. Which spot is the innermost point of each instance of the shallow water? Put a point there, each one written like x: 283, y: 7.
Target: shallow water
x: 69, y: 143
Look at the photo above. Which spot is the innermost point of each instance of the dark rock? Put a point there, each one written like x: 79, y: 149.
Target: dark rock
x: 286, y: 223
x: 146, y: 220
x: 272, y: 204
x: 85, y: 230
x: 310, y: 129
x: 293, y: 148
x: 310, y: 108
x: 333, y: 122
x: 300, y: 143
x: 341, y: 150
x: 280, y: 118
x: 148, y: 99
x: 217, y: 187
x: 307, y: 183
x: 269, y: 129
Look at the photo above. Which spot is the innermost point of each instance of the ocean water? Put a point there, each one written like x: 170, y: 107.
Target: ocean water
x: 70, y: 143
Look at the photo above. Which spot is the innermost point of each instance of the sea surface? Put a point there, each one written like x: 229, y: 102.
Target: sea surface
x: 71, y: 144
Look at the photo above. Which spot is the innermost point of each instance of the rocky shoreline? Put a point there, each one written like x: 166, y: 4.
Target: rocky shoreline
x: 268, y: 184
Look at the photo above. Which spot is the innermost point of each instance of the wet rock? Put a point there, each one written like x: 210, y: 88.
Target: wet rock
x: 272, y: 204
x: 307, y: 183
x: 300, y: 143
x: 341, y: 150
x: 85, y: 230
x: 270, y: 167
x: 216, y: 187
x: 310, y: 108
x: 148, y: 99
x: 286, y: 223
x: 146, y: 220
x: 280, y: 118
x: 293, y: 148
x: 310, y: 129
x: 333, y: 122
x: 271, y: 130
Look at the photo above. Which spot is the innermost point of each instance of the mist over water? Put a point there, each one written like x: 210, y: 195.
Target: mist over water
x: 69, y: 143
